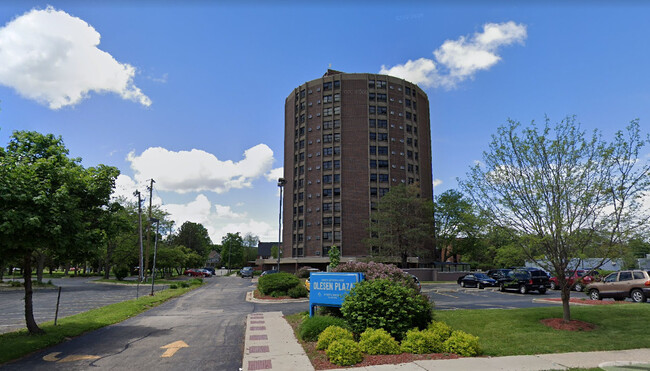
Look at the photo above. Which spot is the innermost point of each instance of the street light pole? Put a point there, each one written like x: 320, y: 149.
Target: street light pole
x: 155, y: 250
x: 281, y: 183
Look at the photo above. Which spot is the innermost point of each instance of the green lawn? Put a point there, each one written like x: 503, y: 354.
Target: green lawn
x: 17, y: 344
x: 505, y: 332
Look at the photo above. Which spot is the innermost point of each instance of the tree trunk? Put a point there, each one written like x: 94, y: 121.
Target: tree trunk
x: 40, y: 265
x: 110, y: 246
x: 566, y: 297
x: 32, y: 327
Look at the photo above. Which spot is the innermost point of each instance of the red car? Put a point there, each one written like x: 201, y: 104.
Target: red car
x: 195, y: 273
x: 577, y: 281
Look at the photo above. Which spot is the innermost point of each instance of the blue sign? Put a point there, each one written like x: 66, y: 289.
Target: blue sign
x: 329, y: 289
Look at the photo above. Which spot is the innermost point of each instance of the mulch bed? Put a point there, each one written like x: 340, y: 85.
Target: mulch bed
x: 575, y: 325
x: 319, y: 359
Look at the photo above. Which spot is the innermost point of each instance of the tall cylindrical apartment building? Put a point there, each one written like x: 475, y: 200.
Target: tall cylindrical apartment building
x: 349, y: 138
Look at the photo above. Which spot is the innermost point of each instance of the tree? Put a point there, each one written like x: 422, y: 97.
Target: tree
x: 194, y: 236
x: 563, y: 192
x: 232, y: 250
x: 335, y: 256
x: 457, y: 225
x: 49, y: 202
x: 403, y: 224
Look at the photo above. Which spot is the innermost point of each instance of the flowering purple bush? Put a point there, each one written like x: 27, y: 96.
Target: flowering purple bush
x: 374, y: 271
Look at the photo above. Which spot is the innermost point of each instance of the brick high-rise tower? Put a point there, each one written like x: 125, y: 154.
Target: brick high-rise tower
x: 349, y: 138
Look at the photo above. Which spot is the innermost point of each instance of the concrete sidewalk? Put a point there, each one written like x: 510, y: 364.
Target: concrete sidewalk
x: 271, y: 345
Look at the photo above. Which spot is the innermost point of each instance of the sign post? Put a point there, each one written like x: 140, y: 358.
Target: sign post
x: 330, y: 289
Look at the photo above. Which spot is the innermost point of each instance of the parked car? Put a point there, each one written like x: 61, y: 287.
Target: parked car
x: 415, y: 280
x: 211, y: 270
x: 577, y: 280
x: 495, y: 274
x: 479, y: 280
x: 206, y: 272
x: 194, y: 273
x: 525, y: 280
x: 270, y: 271
x: 634, y: 284
x: 246, y: 272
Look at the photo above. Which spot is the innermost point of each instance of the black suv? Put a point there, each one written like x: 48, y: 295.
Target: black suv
x: 525, y: 280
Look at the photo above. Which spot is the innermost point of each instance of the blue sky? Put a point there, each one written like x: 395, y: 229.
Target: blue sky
x: 193, y: 95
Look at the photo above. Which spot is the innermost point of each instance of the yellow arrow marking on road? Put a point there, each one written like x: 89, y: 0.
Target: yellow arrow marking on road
x: 52, y: 358
x: 172, y: 348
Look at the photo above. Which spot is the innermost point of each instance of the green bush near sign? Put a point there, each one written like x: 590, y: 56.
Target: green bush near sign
x: 311, y: 327
x: 386, y: 304
x: 280, y: 283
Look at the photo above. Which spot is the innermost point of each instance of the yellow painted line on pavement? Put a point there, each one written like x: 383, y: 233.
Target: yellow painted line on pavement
x: 52, y: 357
x: 443, y: 294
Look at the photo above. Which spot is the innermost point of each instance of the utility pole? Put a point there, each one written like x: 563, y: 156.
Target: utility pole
x: 146, y: 259
x: 137, y: 193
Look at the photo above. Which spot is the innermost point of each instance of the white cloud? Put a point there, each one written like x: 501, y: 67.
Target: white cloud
x: 274, y: 174
x: 437, y: 182
x: 458, y: 60
x: 197, y: 170
x: 52, y: 57
x: 218, y: 220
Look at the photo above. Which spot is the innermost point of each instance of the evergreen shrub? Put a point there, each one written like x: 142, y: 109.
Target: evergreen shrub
x: 463, y: 344
x: 378, y: 341
x: 330, y: 334
x: 280, y: 282
x: 344, y: 352
x: 311, y: 327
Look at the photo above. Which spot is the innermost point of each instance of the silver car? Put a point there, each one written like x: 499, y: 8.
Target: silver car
x: 634, y: 284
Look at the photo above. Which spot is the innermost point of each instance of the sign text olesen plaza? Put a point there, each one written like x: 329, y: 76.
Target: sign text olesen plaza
x: 329, y: 289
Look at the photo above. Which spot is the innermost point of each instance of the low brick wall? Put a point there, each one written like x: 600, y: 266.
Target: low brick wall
x: 433, y: 274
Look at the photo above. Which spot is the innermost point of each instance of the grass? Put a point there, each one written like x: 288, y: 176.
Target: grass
x: 519, y: 331
x: 508, y: 332
x: 14, y: 345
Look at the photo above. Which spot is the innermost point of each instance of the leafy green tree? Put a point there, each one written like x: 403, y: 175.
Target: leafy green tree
x: 458, y: 226
x: 563, y: 192
x: 335, y: 256
x: 49, y: 202
x: 403, y: 224
x: 193, y: 236
x: 274, y: 251
x: 232, y: 247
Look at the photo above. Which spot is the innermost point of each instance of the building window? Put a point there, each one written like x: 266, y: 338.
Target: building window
x: 337, y: 164
x: 381, y: 97
x: 337, y: 191
x: 327, y: 192
x: 409, y: 128
x: 337, y: 206
x: 407, y: 102
x: 373, y: 150
x: 337, y: 137
x: 337, y: 110
x: 327, y: 99
x: 327, y: 165
x: 337, y: 178
x: 372, y: 109
x: 382, y: 110
x: 337, y: 235
x: 337, y: 97
x: 327, y: 179
x: 327, y: 206
x: 409, y: 167
x: 373, y: 191
x: 408, y: 115
x: 409, y: 141
x: 371, y: 96
x: 327, y: 111
x: 337, y: 150
x: 327, y: 86
x: 382, y: 150
x: 327, y: 220
x: 327, y: 125
x: 327, y: 138
x: 382, y: 124
x: 383, y: 178
x: 373, y: 136
x: 380, y: 84
x: 337, y: 84
x: 371, y: 84
x: 409, y: 154
x: 383, y: 191
x: 327, y: 236
x: 382, y: 137
x: 414, y: 105
x: 327, y: 151
x: 337, y: 220
x: 407, y: 91
x: 337, y: 124
x: 373, y: 164
x: 382, y: 163
x: 373, y: 177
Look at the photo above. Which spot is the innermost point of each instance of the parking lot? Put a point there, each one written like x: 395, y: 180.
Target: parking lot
x: 449, y: 296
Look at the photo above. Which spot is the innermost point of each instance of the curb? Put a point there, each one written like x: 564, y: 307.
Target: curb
x: 252, y: 299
